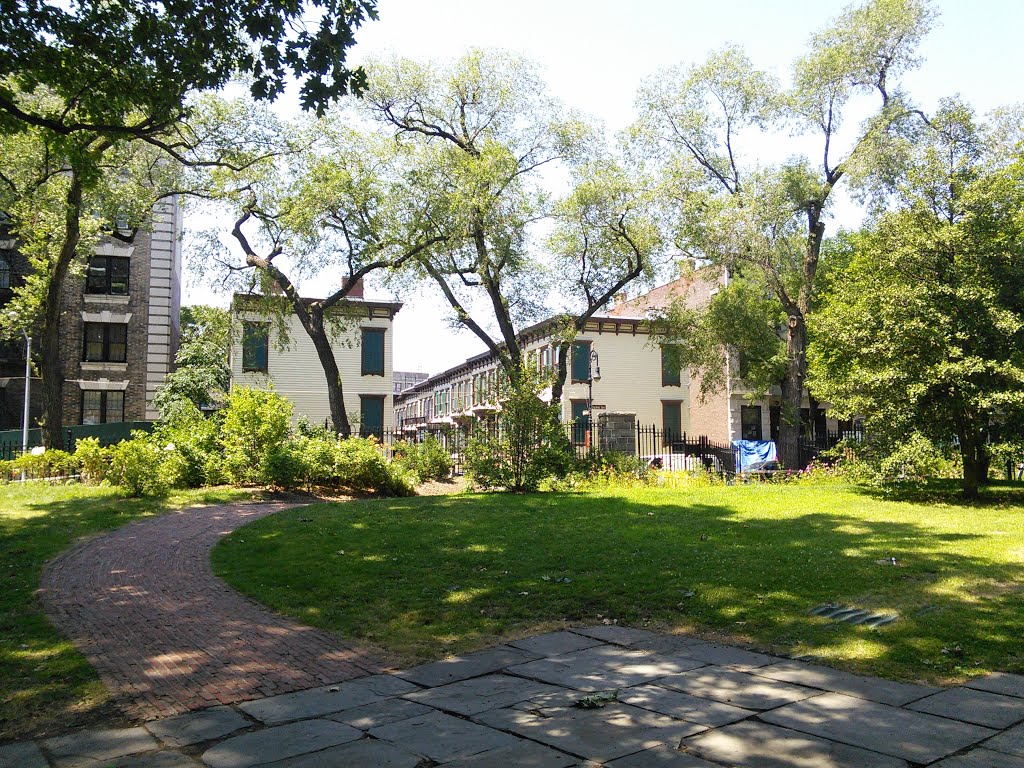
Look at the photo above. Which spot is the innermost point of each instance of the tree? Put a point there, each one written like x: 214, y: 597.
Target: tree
x: 124, y: 69
x: 340, y: 203
x: 201, y: 376
x: 485, y: 139
x: 925, y: 330
x: 772, y: 219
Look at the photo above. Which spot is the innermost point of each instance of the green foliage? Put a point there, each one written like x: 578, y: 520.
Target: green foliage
x: 528, y: 446
x: 50, y: 463
x: 201, y: 375
x: 617, y: 469
x: 6, y: 470
x: 285, y: 467
x: 361, y: 466
x: 135, y: 466
x: 196, y: 458
x: 916, y: 459
x: 93, y: 460
x: 325, y: 461
x: 256, y: 422
x: 427, y: 459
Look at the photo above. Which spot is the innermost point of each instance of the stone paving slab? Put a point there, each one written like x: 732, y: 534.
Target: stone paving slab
x: 279, y: 743
x: 523, y: 754
x: 760, y: 745
x: 603, y: 734
x: 836, y: 681
x: 165, y: 759
x: 442, y: 737
x: 381, y: 713
x: 979, y: 707
x: 740, y: 689
x: 326, y: 700
x: 1000, y: 682
x: 470, y: 697
x: 196, y: 727
x: 79, y: 749
x: 726, y: 656
x: 914, y: 736
x: 661, y: 757
x: 683, y: 706
x: 465, y: 667
x: 366, y: 753
x: 612, y: 633
x: 981, y: 758
x: 1011, y: 741
x: 603, y: 668
x: 555, y: 643
x: 23, y: 754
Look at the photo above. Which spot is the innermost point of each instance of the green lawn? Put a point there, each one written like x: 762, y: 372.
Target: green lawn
x: 424, y: 577
x: 45, y: 684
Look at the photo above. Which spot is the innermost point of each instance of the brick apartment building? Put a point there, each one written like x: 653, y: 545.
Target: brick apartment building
x: 119, y: 327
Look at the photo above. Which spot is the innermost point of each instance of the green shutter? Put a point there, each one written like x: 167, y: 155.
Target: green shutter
x: 373, y: 351
x: 669, y: 369
x: 255, y: 343
x: 672, y: 420
x: 371, y: 415
x: 580, y: 421
x: 581, y: 362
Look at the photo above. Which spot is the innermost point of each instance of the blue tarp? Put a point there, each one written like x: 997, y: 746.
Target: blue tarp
x: 752, y: 451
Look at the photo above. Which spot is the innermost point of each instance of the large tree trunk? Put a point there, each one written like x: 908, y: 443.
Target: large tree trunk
x: 335, y: 393
x: 50, y: 363
x: 975, y: 459
x: 792, y: 393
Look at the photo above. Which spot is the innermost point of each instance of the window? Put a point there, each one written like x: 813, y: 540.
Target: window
x: 5, y: 271
x: 580, y: 422
x: 108, y: 275
x: 106, y: 343
x: 102, y: 407
x: 255, y: 346
x: 373, y: 351
x: 669, y: 368
x: 671, y: 421
x: 750, y: 422
x: 371, y: 415
x: 581, y: 362
x: 546, y: 360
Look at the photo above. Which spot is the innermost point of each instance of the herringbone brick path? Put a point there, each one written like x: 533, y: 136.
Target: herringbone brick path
x: 167, y: 636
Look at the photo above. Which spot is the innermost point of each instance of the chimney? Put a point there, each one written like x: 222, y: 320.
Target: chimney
x: 357, y: 290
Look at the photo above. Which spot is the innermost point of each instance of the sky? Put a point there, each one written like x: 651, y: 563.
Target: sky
x: 595, y: 54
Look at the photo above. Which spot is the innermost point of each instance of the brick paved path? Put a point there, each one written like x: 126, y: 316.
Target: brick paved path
x: 167, y: 636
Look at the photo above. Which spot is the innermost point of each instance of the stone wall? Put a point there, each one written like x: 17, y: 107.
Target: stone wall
x: 617, y: 432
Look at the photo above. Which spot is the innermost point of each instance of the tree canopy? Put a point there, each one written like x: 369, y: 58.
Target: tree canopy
x: 925, y: 329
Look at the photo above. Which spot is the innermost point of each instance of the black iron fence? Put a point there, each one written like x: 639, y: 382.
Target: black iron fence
x: 811, y: 447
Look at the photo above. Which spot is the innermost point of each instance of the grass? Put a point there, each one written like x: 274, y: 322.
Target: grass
x: 45, y: 684
x: 425, y: 577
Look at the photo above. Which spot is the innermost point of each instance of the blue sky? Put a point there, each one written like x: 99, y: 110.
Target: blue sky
x: 595, y: 54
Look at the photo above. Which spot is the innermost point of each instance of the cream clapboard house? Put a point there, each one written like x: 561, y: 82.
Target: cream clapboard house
x: 362, y: 348
x: 635, y: 377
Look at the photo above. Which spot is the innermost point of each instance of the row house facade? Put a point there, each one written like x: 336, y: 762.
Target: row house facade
x: 278, y: 354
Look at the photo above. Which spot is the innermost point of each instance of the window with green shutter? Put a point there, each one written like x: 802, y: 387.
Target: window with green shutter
x: 580, y: 422
x: 373, y: 351
x: 255, y: 344
x: 581, y: 361
x: 669, y: 368
x: 371, y: 415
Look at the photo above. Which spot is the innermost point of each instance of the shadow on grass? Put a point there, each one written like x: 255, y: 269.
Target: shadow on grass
x: 428, y: 577
x: 947, y: 491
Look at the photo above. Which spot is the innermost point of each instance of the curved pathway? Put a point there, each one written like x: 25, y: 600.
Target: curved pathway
x: 167, y: 636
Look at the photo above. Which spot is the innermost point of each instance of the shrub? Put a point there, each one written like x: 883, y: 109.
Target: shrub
x: 50, y: 463
x: 197, y: 458
x: 284, y: 467
x: 93, y: 460
x: 617, y: 469
x: 6, y: 470
x: 916, y: 458
x: 135, y: 466
x: 361, y: 466
x: 256, y: 422
x: 428, y: 459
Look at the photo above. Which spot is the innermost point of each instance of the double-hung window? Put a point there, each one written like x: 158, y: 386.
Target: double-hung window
x: 255, y: 347
x: 106, y: 343
x: 750, y: 422
x: 100, y: 407
x: 108, y: 275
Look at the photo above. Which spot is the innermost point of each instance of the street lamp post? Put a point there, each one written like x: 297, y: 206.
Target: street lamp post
x: 28, y: 384
x: 593, y: 374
